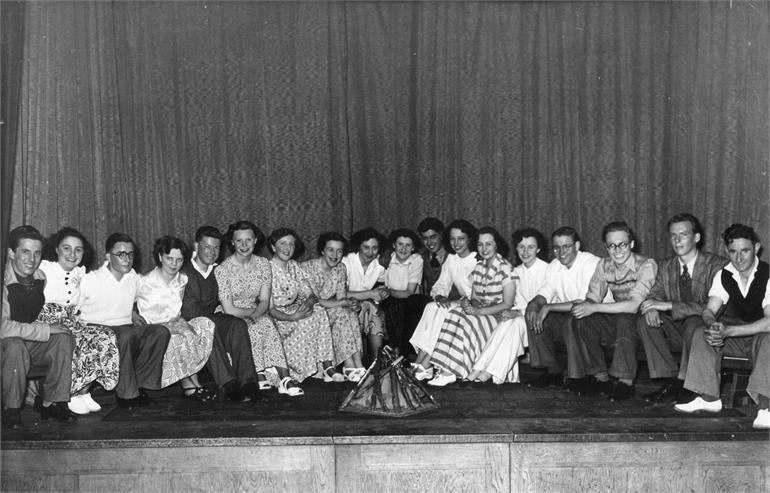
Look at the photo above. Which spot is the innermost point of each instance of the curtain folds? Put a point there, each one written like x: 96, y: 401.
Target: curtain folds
x: 157, y: 117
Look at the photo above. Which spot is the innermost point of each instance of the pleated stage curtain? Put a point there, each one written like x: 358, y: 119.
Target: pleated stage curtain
x: 157, y: 117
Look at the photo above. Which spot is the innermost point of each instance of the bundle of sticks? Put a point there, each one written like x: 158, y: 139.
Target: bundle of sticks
x: 388, y: 389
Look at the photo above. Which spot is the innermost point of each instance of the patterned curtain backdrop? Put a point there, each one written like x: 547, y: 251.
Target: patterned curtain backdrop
x: 157, y: 117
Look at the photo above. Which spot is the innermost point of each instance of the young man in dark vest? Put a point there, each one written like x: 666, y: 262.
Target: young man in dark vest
x: 31, y: 348
x: 673, y: 309
x: 743, y: 329
x: 235, y: 374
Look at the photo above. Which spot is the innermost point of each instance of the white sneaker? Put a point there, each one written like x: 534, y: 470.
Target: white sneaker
x: 698, y: 405
x: 91, y: 404
x: 763, y: 420
x: 77, y: 405
x: 443, y: 379
x: 421, y: 373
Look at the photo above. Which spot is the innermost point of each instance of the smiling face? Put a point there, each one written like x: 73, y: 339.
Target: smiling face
x: 207, y: 250
x: 70, y: 252
x: 403, y: 248
x: 683, y: 239
x: 619, y: 246
x: 527, y: 250
x: 565, y: 250
x: 121, y: 258
x: 171, y: 262
x: 459, y: 241
x: 487, y: 247
x: 284, y: 248
x: 369, y: 249
x: 26, y: 258
x: 243, y: 242
x: 743, y: 254
x: 332, y: 253
x: 432, y: 240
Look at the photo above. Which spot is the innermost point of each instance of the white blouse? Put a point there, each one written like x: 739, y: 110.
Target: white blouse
x: 62, y: 287
x: 455, y: 271
x: 157, y: 301
x: 398, y: 275
x: 358, y: 279
x: 529, y: 280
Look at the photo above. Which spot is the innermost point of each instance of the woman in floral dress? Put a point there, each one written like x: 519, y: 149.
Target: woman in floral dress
x: 95, y: 357
x: 301, y: 321
x: 328, y: 279
x: 159, y: 300
x: 245, y: 284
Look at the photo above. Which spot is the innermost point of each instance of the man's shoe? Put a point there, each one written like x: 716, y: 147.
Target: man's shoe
x: 622, y: 392
x: 59, y: 412
x: 231, y: 391
x: 547, y: 379
x: 597, y: 387
x: 577, y: 385
x: 698, y: 405
x: 12, y: 419
x: 667, y: 393
x: 144, y: 400
x: 250, y: 393
x: 763, y: 420
x: 127, y: 404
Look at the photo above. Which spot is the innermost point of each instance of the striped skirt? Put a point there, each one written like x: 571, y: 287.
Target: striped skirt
x: 461, y: 340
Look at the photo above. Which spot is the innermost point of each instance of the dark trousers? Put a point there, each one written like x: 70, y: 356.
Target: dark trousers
x: 558, y: 327
x: 401, y: 318
x: 141, y: 348
x: 51, y: 360
x: 613, y: 330
x: 231, y: 336
x: 660, y: 342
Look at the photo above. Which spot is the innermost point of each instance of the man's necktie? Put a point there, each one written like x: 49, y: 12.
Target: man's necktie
x: 685, y: 285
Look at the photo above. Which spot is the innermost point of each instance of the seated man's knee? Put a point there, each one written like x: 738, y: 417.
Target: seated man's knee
x: 63, y: 342
x: 13, y: 351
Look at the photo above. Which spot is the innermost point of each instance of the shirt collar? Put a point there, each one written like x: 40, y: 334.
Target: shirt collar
x: 197, y: 267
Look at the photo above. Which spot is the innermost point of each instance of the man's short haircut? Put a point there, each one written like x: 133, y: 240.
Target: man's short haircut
x: 501, y: 244
x: 277, y: 234
x: 25, y: 232
x: 165, y: 244
x: 117, y: 238
x: 207, y: 231
x: 684, y: 217
x: 566, y: 231
x: 433, y: 223
x: 617, y: 226
x: 740, y: 231
x: 406, y: 233
x: 466, y: 227
x: 328, y: 236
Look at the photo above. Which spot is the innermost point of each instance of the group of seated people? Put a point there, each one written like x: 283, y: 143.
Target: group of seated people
x: 447, y: 299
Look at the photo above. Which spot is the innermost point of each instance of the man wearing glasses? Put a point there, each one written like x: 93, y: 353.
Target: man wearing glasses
x: 107, y: 299
x: 741, y: 330
x: 673, y: 309
x: 548, y: 314
x: 629, y: 277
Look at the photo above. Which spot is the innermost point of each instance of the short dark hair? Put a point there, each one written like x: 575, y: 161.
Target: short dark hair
x: 405, y: 233
x: 566, y: 231
x: 522, y: 233
x: 277, y: 234
x: 684, y: 217
x: 328, y: 236
x: 53, y: 242
x: 433, y: 223
x: 738, y: 231
x: 118, y: 238
x: 364, y: 235
x: 25, y: 232
x: 259, y: 236
x: 165, y: 244
x: 617, y: 226
x: 466, y: 227
x: 208, y: 232
x: 502, y: 245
